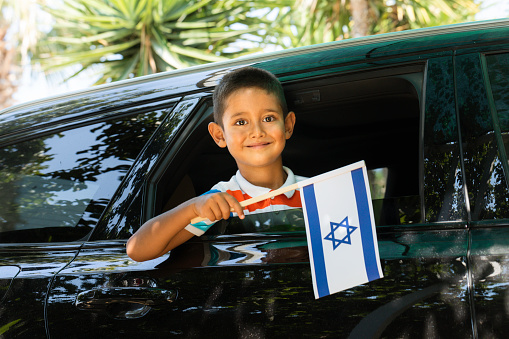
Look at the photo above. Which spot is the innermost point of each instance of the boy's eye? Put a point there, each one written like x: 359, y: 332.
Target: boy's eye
x: 240, y: 122
x: 268, y: 119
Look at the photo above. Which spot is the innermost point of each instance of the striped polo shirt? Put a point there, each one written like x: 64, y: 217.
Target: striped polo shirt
x: 242, y: 190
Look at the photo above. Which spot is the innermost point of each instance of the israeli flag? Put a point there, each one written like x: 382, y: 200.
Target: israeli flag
x: 340, y: 228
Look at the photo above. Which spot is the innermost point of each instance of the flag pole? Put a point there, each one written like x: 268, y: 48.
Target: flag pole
x: 251, y: 201
x: 295, y: 186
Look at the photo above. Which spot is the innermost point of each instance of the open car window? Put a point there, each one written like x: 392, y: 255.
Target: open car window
x: 340, y: 120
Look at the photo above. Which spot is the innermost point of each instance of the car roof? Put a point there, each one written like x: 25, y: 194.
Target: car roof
x: 286, y: 64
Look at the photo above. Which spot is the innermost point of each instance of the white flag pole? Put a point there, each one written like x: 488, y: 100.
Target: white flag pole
x: 295, y: 186
x: 251, y: 201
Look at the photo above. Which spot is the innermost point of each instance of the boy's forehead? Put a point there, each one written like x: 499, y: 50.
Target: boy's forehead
x: 248, y: 92
x: 248, y: 89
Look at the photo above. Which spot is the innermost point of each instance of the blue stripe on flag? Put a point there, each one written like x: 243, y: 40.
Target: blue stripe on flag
x: 315, y: 234
x: 368, y: 246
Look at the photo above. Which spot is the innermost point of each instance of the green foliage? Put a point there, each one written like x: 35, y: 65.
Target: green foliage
x: 129, y: 38
x: 138, y: 37
x: 410, y: 14
x: 317, y: 21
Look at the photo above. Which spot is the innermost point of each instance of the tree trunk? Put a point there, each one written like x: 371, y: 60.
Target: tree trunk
x: 360, y: 17
x: 7, y: 77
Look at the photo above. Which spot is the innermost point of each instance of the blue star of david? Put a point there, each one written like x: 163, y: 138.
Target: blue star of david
x: 346, y: 239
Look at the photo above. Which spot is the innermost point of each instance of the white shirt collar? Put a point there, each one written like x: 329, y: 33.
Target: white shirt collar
x: 254, y: 191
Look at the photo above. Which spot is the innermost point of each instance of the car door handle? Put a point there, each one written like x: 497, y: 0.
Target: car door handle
x: 101, y: 298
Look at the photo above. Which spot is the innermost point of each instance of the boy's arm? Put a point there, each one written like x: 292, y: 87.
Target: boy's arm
x: 160, y: 234
x: 166, y: 231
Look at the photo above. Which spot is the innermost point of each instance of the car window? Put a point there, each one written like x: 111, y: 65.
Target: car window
x: 443, y: 174
x: 339, y: 121
x: 55, y: 187
x: 344, y: 120
x: 498, y: 72
x: 483, y: 155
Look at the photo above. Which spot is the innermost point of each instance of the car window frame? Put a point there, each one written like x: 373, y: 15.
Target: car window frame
x: 130, y: 197
x: 151, y: 188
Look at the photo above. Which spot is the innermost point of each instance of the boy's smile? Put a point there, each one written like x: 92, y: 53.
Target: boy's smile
x: 254, y: 130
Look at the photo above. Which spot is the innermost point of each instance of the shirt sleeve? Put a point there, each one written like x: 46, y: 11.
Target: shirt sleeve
x: 201, y: 227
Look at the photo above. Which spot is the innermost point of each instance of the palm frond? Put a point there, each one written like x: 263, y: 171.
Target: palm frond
x: 147, y: 36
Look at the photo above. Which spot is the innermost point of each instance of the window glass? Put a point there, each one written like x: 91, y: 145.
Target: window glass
x: 54, y: 188
x: 291, y: 220
x: 484, y: 174
x: 497, y: 195
x: 498, y: 70
x: 443, y: 178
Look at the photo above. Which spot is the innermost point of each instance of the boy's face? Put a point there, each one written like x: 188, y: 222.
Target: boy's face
x: 254, y: 129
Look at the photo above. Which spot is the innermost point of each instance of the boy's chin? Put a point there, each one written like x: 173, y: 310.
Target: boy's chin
x: 254, y: 164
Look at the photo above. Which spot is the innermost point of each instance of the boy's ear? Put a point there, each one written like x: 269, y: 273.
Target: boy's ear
x: 289, y: 124
x: 217, y: 134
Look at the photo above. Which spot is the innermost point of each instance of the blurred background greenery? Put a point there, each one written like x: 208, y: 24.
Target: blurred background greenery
x: 67, y: 44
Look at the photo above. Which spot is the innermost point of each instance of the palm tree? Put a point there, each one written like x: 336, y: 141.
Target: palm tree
x: 360, y: 17
x: 128, y: 38
x: 7, y: 75
x: 315, y: 21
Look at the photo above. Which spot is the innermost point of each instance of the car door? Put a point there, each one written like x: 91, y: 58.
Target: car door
x: 102, y: 272
x: 55, y: 185
x: 252, y: 278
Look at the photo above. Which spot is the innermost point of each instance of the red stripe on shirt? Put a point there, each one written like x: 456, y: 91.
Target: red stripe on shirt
x: 282, y: 199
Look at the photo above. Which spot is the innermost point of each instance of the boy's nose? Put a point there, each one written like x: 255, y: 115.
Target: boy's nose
x: 257, y: 130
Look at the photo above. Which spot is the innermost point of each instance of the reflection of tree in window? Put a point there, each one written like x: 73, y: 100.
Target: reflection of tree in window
x: 22, y: 159
x: 65, y: 181
x: 498, y: 71
x: 484, y: 173
x: 443, y: 191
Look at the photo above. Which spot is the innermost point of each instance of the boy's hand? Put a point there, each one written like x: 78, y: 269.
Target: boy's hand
x: 217, y: 206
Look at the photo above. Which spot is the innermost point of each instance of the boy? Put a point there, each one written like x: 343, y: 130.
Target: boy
x: 251, y: 119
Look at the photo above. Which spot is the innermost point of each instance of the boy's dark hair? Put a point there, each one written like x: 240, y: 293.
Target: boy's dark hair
x: 244, y: 78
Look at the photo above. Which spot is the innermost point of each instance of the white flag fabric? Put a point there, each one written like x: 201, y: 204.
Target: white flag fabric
x: 340, y: 228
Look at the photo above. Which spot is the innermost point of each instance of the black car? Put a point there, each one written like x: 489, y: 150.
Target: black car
x: 428, y: 111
